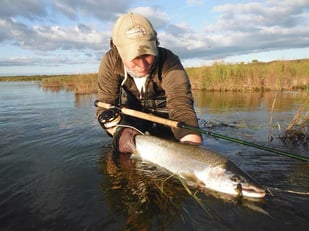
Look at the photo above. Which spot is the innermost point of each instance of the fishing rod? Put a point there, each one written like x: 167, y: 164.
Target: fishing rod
x: 177, y: 124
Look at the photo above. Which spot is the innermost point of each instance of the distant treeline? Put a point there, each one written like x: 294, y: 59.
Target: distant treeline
x: 254, y: 76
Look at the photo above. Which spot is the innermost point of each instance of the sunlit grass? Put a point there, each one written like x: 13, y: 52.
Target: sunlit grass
x: 254, y: 76
x: 80, y: 84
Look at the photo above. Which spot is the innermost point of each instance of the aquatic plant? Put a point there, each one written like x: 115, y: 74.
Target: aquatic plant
x: 297, y: 130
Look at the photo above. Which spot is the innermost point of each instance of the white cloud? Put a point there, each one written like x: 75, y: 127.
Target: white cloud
x: 84, y: 26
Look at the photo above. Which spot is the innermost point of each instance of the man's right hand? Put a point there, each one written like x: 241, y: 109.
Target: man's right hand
x: 124, y: 139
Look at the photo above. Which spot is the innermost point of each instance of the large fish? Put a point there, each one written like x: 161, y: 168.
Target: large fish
x: 195, y: 164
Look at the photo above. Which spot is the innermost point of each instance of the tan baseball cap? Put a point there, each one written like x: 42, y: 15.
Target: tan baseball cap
x: 133, y: 35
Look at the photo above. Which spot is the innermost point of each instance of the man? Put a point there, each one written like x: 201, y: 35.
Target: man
x: 138, y: 74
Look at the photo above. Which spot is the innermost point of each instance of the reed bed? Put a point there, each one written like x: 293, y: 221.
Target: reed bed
x: 241, y: 77
x: 81, y: 84
x: 254, y: 76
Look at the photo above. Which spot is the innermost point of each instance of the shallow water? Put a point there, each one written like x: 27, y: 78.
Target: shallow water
x: 58, y: 172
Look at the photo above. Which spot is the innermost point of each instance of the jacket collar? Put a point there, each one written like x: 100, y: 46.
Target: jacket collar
x: 119, y: 66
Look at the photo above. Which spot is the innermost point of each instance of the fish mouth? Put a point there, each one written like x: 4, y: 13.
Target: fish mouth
x: 251, y: 191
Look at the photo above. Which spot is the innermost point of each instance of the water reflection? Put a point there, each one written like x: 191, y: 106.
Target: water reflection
x: 140, y: 192
x: 148, y: 197
x: 84, y: 100
x: 215, y: 102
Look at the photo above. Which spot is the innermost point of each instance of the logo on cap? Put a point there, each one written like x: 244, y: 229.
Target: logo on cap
x: 135, y: 32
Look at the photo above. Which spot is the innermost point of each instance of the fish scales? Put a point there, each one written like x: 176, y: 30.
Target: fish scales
x: 152, y: 149
x: 210, y: 168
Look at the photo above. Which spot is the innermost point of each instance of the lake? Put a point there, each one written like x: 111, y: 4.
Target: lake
x: 58, y: 172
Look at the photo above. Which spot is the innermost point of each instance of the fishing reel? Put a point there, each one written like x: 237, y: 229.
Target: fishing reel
x: 109, y: 118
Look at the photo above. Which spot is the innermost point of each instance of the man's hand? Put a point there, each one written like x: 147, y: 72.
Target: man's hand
x: 108, y: 120
x: 191, y: 139
x: 123, y: 140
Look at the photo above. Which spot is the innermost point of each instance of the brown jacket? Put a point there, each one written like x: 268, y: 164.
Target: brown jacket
x: 168, y: 79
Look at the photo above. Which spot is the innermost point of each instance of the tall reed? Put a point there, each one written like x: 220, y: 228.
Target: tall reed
x: 254, y: 76
x: 80, y: 84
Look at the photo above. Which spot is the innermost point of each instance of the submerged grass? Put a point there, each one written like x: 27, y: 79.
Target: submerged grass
x: 187, y: 188
x: 197, y: 199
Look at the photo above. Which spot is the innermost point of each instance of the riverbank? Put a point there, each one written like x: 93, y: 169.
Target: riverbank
x: 254, y: 76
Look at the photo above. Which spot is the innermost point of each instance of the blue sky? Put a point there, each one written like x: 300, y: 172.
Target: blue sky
x: 71, y: 36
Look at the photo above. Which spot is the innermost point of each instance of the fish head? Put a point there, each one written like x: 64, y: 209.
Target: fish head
x: 230, y: 180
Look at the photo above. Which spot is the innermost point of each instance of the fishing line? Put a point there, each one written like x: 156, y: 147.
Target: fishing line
x: 286, y: 190
x: 265, y: 148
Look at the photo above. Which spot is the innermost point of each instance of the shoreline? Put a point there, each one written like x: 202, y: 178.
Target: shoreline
x: 254, y: 76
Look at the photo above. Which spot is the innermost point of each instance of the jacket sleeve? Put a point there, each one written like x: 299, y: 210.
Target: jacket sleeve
x: 179, y: 97
x: 108, y: 81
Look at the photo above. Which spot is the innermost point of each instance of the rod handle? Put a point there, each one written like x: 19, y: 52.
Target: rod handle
x: 141, y: 115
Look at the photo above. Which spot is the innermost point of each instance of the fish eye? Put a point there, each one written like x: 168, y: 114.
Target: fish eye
x: 235, y: 178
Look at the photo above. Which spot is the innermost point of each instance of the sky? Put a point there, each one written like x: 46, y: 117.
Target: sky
x: 71, y: 36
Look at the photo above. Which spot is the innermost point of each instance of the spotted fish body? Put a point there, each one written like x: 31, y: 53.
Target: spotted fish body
x: 198, y: 165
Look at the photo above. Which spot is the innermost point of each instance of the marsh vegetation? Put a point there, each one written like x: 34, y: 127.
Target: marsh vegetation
x: 256, y: 76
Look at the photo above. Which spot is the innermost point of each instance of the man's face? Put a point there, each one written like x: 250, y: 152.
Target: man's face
x: 141, y: 65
